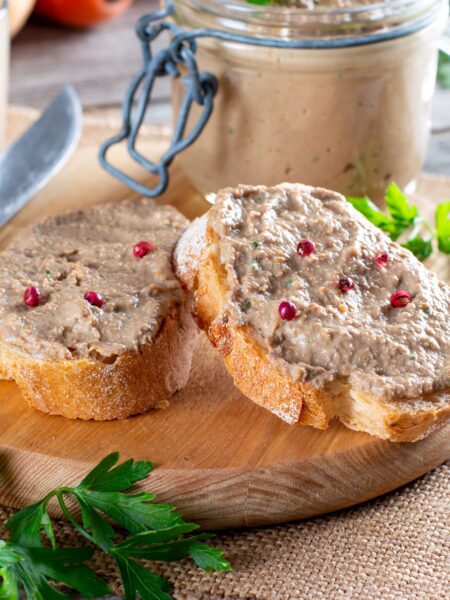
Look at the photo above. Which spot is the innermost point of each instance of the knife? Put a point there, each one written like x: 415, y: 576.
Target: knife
x: 39, y: 153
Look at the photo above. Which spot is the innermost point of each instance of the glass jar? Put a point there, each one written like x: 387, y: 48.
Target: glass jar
x: 350, y: 112
x: 4, y: 68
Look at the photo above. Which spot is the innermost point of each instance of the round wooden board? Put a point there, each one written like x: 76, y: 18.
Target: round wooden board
x: 222, y: 460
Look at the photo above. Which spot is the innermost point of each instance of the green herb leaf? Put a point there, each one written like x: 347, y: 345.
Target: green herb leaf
x: 9, y: 587
x: 444, y: 69
x: 443, y: 226
x: 33, y: 567
x: 36, y: 586
x: 46, y: 523
x: 404, y: 216
x: 128, y: 580
x: 420, y: 247
x: 62, y: 565
x: 158, y: 533
x: 136, y: 578
x: 134, y: 512
x: 100, y: 529
x: 383, y: 221
x: 398, y: 206
x: 25, y: 525
x: 8, y: 556
x: 209, y: 559
x: 106, y: 479
x: 156, y: 537
x: 168, y: 552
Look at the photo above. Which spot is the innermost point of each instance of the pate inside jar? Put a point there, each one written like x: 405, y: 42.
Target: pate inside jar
x: 350, y: 112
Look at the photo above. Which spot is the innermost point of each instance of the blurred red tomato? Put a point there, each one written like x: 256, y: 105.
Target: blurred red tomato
x: 81, y: 13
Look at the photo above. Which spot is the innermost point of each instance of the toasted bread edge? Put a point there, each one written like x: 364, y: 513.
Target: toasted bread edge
x: 269, y: 386
x: 93, y: 389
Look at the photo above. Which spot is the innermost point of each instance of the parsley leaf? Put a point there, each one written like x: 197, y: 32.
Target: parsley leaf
x: 157, y: 531
x: 398, y: 206
x: 9, y: 589
x: 26, y: 525
x: 31, y: 568
x: 101, y: 531
x: 383, y: 221
x: 405, y: 217
x: 208, y: 559
x: 443, y: 226
x: 420, y: 247
x: 136, y: 578
x: 169, y: 551
x: 155, y: 537
x: 61, y: 565
x: 134, y: 512
x: 105, y: 478
x: 444, y: 69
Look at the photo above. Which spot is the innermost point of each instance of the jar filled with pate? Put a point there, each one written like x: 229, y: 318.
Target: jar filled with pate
x: 348, y: 108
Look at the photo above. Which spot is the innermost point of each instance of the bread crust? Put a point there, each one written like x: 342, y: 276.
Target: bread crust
x: 269, y: 386
x: 134, y: 382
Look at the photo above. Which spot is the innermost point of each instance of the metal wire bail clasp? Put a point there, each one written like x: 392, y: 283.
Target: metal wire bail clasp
x: 200, y: 88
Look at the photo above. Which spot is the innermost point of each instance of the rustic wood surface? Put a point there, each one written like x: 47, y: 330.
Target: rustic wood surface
x: 99, y: 62
x: 221, y: 459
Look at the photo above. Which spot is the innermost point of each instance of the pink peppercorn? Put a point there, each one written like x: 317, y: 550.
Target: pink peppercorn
x: 400, y: 299
x: 32, y: 296
x: 382, y: 259
x: 141, y: 249
x: 95, y: 299
x: 287, y: 311
x: 306, y: 248
x: 345, y: 284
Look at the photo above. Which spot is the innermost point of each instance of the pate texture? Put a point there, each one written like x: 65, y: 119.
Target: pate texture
x: 355, y: 337
x: 90, y: 250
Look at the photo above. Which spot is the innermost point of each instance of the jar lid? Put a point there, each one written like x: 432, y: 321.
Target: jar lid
x: 314, y: 23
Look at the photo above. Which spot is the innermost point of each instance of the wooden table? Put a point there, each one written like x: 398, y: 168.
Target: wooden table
x: 99, y: 62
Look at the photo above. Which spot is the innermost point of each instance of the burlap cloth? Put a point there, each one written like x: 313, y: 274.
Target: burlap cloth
x: 395, y: 547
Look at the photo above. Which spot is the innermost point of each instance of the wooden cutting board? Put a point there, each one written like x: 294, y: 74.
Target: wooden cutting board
x: 220, y: 458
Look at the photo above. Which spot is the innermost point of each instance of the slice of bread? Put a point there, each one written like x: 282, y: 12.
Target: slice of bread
x: 122, y: 349
x: 348, y: 352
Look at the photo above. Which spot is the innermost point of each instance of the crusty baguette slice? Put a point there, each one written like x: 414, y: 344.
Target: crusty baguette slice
x: 133, y: 383
x: 91, y: 362
x: 263, y: 379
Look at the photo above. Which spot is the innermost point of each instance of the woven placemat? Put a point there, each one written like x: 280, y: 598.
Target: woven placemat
x: 393, y: 548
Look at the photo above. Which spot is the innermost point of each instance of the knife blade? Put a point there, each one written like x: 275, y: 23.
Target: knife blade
x: 39, y: 153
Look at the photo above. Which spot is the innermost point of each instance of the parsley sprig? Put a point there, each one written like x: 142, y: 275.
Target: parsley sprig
x: 403, y: 220
x: 157, y: 532
x: 444, y: 69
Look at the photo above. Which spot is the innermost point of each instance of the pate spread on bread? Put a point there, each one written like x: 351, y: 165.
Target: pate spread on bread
x: 318, y: 313
x: 106, y: 331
